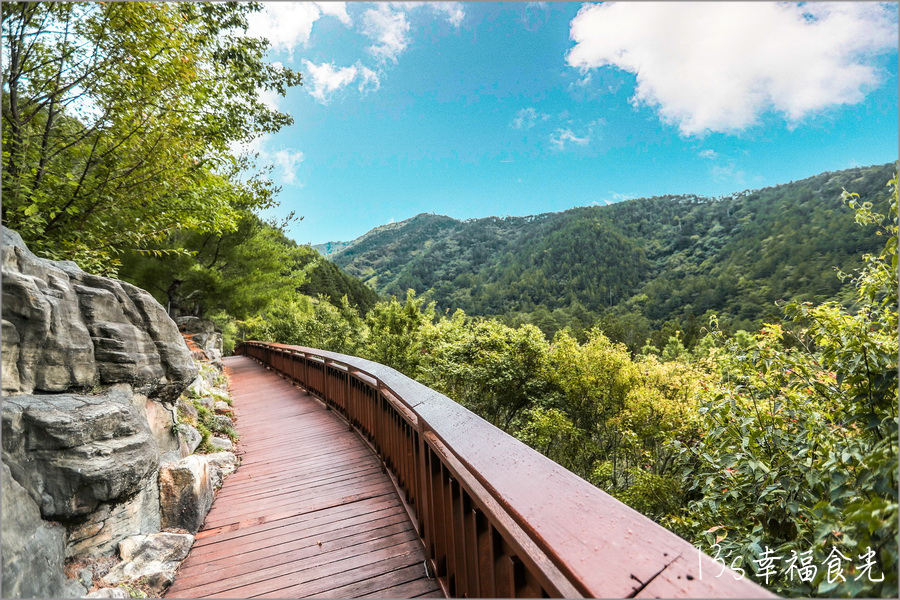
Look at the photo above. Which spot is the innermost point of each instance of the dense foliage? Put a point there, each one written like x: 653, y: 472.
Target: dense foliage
x: 614, y: 339
x: 642, y: 268
x: 779, y: 443
x: 117, y: 122
x: 800, y: 451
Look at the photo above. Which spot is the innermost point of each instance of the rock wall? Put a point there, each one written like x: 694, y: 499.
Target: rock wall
x: 92, y: 368
x: 64, y: 330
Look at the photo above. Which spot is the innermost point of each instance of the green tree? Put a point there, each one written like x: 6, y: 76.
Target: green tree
x: 801, y: 446
x: 117, y: 121
x: 240, y: 272
x: 492, y: 369
x: 395, y: 332
x: 311, y: 322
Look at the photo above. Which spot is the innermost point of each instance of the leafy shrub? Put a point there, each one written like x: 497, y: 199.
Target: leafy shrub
x: 801, y: 449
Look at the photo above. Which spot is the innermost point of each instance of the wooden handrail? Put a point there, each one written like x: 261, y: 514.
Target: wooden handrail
x: 497, y: 518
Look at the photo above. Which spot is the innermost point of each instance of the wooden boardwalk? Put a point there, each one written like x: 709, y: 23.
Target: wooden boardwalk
x: 308, y: 514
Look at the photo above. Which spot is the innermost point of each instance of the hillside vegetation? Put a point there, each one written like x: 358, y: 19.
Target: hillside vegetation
x: 754, y: 428
x: 779, y: 443
x: 644, y: 268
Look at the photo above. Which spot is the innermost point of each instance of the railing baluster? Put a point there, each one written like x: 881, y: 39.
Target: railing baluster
x: 505, y: 583
x: 439, y: 522
x: 471, y: 546
x: 484, y: 533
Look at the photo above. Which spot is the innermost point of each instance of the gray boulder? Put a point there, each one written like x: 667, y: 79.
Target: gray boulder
x: 66, y: 330
x: 110, y: 592
x: 74, y: 452
x: 185, y: 493
x: 33, y: 549
x: 221, y: 465
x: 221, y: 444
x: 99, y: 533
x: 151, y: 558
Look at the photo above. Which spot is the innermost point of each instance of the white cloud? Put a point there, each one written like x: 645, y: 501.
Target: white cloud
x: 368, y: 79
x: 526, y: 118
x: 289, y: 24
x: 288, y: 161
x: 326, y: 79
x: 453, y: 11
x: 335, y: 9
x: 719, y: 66
x: 388, y: 26
x: 389, y: 29
x: 564, y: 135
x: 270, y: 98
x: 709, y: 154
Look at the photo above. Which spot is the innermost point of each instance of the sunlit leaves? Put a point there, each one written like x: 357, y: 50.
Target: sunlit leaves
x: 117, y: 123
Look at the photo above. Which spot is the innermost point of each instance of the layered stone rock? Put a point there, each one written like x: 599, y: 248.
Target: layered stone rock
x: 65, y: 330
x: 91, y: 369
x: 73, y: 452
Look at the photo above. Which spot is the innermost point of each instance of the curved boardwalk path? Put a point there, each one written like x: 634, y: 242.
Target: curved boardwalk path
x: 309, y: 512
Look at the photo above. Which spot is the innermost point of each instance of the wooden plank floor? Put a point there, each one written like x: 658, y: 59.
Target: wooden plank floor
x: 308, y: 513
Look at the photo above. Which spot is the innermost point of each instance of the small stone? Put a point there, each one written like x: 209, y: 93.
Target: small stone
x: 74, y: 588
x: 221, y: 465
x: 189, y: 439
x: 187, y: 411
x: 152, y: 559
x: 86, y: 576
x: 110, y: 592
x: 221, y: 444
x: 222, y: 406
x: 223, y: 422
x: 206, y: 402
x: 198, y: 387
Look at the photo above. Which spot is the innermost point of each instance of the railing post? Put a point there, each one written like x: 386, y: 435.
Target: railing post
x: 379, y: 426
x: 422, y: 507
x: 325, y: 384
x: 306, y: 371
x: 350, y: 411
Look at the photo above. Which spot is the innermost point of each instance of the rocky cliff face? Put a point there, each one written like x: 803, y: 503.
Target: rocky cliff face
x: 64, y: 329
x: 92, y: 370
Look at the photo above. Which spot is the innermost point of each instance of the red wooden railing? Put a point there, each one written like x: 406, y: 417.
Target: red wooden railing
x: 497, y: 518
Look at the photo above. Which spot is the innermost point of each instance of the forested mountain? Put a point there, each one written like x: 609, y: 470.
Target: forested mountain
x: 326, y: 279
x: 644, y: 268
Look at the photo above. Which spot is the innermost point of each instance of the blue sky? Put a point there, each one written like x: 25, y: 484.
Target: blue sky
x: 480, y: 109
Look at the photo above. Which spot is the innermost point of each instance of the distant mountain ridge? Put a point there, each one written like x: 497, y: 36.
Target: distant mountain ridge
x: 329, y: 248
x: 648, y: 264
